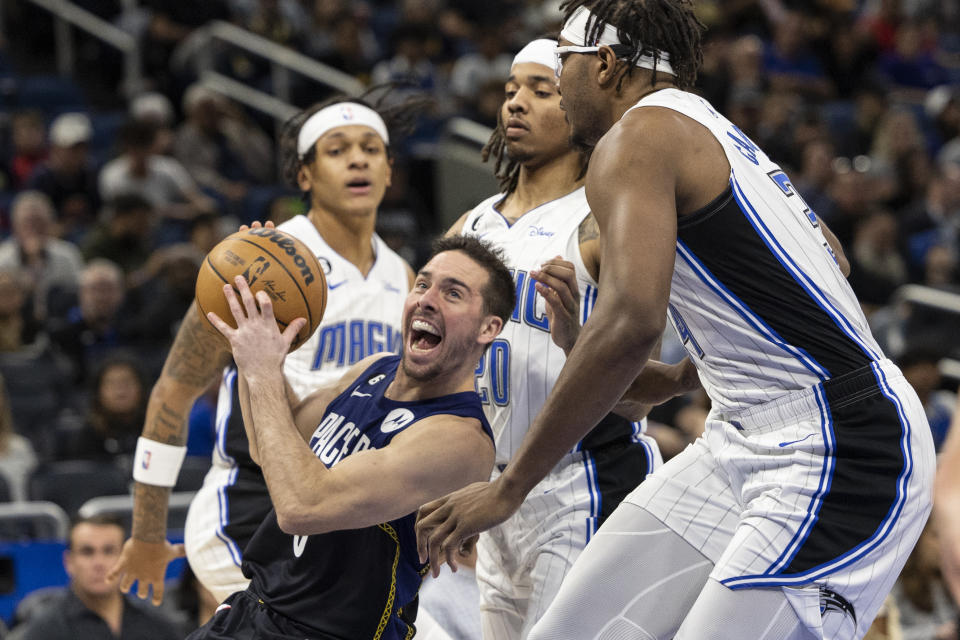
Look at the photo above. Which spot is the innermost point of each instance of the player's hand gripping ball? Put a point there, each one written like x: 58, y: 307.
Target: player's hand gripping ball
x: 271, y: 261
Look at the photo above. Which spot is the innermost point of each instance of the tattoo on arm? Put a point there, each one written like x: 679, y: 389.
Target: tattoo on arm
x: 589, y: 229
x: 150, y: 512
x: 196, y: 355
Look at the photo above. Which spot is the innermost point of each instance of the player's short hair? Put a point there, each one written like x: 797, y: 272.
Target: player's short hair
x: 400, y: 117
x: 648, y: 26
x: 500, y: 294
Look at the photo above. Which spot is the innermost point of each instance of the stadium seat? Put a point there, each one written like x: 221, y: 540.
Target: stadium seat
x: 71, y: 483
x: 26, y: 567
x: 122, y: 506
x: 20, y: 521
x: 49, y: 93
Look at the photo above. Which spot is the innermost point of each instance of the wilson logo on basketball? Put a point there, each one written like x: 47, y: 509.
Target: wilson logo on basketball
x: 285, y: 243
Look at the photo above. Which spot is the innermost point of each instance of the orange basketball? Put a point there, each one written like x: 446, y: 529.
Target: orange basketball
x: 272, y: 261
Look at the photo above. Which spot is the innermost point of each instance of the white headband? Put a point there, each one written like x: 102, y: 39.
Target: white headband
x: 338, y: 115
x: 575, y: 30
x: 539, y: 52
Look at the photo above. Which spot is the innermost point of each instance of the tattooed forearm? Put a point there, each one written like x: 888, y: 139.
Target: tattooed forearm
x: 197, y: 355
x: 150, y: 513
x: 166, y: 424
x: 589, y: 229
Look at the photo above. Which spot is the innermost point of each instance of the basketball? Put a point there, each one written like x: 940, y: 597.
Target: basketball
x: 271, y: 261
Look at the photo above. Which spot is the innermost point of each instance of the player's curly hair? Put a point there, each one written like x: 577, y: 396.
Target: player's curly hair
x: 399, y: 116
x: 648, y: 26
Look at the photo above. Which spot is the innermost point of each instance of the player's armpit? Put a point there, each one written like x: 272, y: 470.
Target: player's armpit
x: 430, y: 459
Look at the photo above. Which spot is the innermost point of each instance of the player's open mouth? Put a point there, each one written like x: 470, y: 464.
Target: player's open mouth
x: 424, y: 336
x: 360, y: 186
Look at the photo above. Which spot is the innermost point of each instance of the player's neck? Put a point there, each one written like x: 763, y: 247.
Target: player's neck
x: 407, y: 389
x: 537, y: 185
x: 348, y: 235
x: 634, y: 90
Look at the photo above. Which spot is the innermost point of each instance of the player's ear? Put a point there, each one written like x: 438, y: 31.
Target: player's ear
x: 303, y: 178
x: 490, y: 328
x: 389, y: 171
x: 607, y: 71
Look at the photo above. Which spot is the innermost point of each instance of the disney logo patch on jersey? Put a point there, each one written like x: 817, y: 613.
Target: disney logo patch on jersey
x: 396, y: 420
x: 539, y: 231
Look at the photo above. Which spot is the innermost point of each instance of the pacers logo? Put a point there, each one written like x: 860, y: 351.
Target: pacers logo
x: 396, y: 420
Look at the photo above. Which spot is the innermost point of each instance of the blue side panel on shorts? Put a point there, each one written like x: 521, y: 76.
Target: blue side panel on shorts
x: 863, y: 485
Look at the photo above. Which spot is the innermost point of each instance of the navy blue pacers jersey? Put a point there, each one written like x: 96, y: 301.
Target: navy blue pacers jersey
x: 357, y: 583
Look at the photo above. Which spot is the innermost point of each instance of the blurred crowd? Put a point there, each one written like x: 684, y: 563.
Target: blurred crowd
x: 108, y: 201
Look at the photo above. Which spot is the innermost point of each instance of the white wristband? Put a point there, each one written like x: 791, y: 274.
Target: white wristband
x: 156, y: 463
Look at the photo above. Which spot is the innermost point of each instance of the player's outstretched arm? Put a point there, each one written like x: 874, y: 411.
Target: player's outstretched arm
x: 637, y: 215
x: 196, y: 358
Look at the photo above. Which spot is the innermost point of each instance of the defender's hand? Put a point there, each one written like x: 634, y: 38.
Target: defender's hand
x: 146, y: 563
x: 557, y: 283
x: 450, y: 525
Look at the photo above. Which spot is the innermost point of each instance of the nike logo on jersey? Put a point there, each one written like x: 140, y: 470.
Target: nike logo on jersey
x: 396, y: 420
x: 357, y: 393
x: 787, y: 444
x: 332, y: 286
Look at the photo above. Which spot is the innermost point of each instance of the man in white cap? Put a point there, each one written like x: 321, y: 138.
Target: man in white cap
x: 543, y: 224
x: 338, y: 154
x: 68, y: 175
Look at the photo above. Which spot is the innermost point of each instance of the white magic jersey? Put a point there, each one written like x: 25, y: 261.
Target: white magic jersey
x: 363, y: 314
x: 522, y: 365
x: 362, y: 317
x: 757, y: 297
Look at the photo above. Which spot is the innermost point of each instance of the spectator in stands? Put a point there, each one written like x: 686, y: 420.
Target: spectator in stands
x: 345, y: 44
x: 117, y: 406
x: 17, y: 459
x: 28, y: 136
x: 869, y: 106
x: 790, y: 62
x: 157, y: 306
x: 919, y: 363
x: 170, y: 22
x: 91, y: 330
x: 942, y: 107
x: 221, y: 149
x: 911, y: 65
x: 123, y: 237
x: 410, y: 65
x: 68, y: 176
x: 163, y: 181
x: 491, y: 61
x: 155, y: 108
x: 18, y: 326
x: 934, y: 220
x: 92, y: 608
x: 876, y: 266
x: 813, y: 179
x: 51, y: 264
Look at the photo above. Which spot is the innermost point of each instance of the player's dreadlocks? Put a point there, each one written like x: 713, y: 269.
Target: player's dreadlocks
x: 647, y: 26
x: 506, y: 170
x: 400, y: 118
